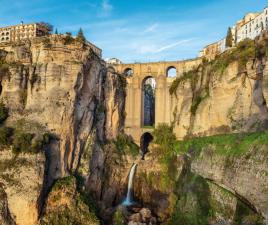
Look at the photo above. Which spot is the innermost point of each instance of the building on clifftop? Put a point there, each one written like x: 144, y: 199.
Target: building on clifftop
x: 23, y: 32
x: 251, y: 26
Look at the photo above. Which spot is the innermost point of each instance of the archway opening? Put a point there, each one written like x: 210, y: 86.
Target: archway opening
x: 128, y: 72
x: 148, y: 102
x: 145, y: 141
x: 171, y: 71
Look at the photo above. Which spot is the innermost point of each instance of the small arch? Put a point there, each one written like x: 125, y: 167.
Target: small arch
x: 128, y: 72
x: 171, y: 71
x: 145, y: 141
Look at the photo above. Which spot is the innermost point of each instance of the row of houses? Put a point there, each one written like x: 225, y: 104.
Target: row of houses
x: 251, y: 26
x: 23, y: 31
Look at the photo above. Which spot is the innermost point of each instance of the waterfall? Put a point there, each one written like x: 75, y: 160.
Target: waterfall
x: 129, y: 198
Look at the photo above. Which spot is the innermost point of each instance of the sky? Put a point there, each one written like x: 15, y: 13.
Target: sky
x: 136, y: 30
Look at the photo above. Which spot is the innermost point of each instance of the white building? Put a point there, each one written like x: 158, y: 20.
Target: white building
x: 113, y: 61
x: 254, y: 24
x: 251, y: 26
x: 22, y: 32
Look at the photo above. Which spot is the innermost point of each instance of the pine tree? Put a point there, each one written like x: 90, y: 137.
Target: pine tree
x: 80, y: 35
x: 56, y: 31
x: 229, y: 38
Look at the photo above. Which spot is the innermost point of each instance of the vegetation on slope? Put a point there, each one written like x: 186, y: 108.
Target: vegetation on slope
x: 19, y: 138
x: 125, y: 145
x: 66, y: 205
x: 227, y: 144
x: 194, y: 202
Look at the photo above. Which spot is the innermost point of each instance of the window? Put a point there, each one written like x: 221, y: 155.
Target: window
x: 171, y: 71
x: 148, y: 101
x: 128, y: 72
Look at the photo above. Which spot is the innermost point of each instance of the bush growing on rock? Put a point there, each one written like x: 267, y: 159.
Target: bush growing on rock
x: 3, y: 112
x: 76, y: 211
x: 124, y: 144
x: 118, y: 218
x: 68, y: 39
x: 28, y: 142
x: 164, y: 136
x: 22, y: 142
x: 5, y: 136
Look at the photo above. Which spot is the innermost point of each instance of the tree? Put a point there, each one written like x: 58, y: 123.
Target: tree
x: 229, y: 38
x: 80, y: 35
x: 56, y: 31
x: 47, y: 28
x: 68, y: 39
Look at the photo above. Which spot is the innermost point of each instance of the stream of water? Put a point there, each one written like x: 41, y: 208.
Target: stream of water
x: 129, y: 198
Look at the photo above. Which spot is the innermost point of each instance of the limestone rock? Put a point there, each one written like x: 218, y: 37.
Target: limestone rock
x: 22, y: 177
x: 5, y: 216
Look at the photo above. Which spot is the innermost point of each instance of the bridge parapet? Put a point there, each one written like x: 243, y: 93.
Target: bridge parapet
x: 156, y: 69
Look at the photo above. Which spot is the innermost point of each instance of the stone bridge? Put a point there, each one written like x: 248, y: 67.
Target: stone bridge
x: 136, y: 75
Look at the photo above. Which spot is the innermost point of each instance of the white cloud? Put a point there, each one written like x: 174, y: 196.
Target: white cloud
x: 166, y: 47
x: 106, y: 8
x: 152, y: 28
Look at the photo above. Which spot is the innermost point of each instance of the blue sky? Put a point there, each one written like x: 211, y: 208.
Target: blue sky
x: 140, y: 30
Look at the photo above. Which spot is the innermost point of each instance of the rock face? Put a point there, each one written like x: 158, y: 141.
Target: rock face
x: 5, y: 217
x: 22, y: 177
x: 217, y: 97
x: 245, y: 176
x: 65, y: 88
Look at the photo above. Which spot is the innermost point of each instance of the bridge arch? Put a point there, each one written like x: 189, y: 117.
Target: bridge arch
x: 171, y: 71
x: 145, y: 141
x: 128, y: 72
x: 148, y: 101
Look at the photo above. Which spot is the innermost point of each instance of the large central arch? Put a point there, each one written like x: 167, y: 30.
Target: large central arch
x: 148, y: 102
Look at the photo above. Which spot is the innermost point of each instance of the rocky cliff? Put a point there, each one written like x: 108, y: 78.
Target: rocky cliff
x: 228, y: 94
x: 225, y: 181
x: 65, y: 159
x: 54, y: 85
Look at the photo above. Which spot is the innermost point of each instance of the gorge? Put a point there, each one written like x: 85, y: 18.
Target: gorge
x: 67, y: 155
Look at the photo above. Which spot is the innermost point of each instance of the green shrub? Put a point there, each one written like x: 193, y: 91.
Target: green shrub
x: 197, y: 100
x: 22, y: 142
x: 40, y: 142
x: 68, y: 39
x: 3, y: 112
x: 5, y: 136
x: 164, y: 136
x: 29, y: 143
x: 244, y: 51
x: 118, y: 218
x: 186, y: 76
x: 124, y: 144
x: 227, y: 144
